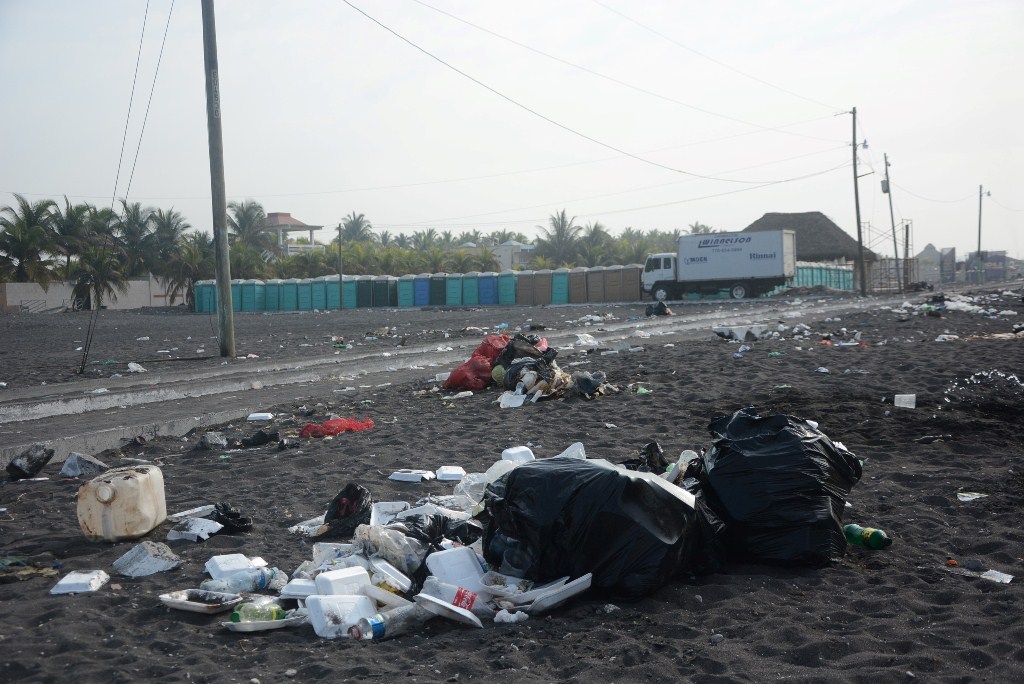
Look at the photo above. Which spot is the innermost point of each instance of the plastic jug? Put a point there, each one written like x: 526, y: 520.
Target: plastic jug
x: 122, y: 503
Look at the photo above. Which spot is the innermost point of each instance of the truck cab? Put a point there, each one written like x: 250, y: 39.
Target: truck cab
x: 659, y: 268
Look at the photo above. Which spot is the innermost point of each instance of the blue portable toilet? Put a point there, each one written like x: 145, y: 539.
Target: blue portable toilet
x: 407, y: 290
x: 305, y: 294
x: 421, y: 289
x: 349, y: 298
x: 290, y: 294
x: 471, y: 288
x: 236, y: 295
x: 488, y: 288
x: 332, y: 285
x: 364, y: 291
x: 320, y: 293
x: 272, y: 295
x: 438, y: 289
x: 453, y: 289
x: 507, y: 287
x: 560, y: 286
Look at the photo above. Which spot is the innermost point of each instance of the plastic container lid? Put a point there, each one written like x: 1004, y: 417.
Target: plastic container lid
x: 227, y: 564
x: 452, y: 473
x: 343, y: 581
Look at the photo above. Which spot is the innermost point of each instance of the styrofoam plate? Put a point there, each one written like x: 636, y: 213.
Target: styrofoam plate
x: 263, y: 625
x: 556, y: 597
x: 447, y: 610
x: 200, y: 601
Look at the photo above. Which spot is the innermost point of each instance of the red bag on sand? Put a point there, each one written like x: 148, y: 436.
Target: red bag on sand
x: 335, y: 426
x: 475, y: 374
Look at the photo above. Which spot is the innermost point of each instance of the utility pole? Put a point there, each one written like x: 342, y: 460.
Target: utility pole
x: 225, y: 314
x: 887, y: 189
x: 341, y: 289
x: 856, y: 202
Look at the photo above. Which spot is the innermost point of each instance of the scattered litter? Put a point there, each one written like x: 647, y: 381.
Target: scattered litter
x: 611, y: 426
x: 411, y: 475
x: 585, y: 340
x: 28, y: 463
x: 822, y: 369
x: 146, y: 558
x: 213, y: 441
x: 82, y: 465
x: 947, y: 338
x: 518, y: 454
x: 194, y: 529
x: 335, y: 426
x: 450, y: 473
x: 135, y: 368
x: 510, y: 399
x: 254, y: 417
x: 503, y: 616
x: 905, y: 400
x: 200, y: 601
x: 76, y: 582
x: 465, y: 394
x: 970, y: 496
x: 928, y: 439
x: 198, y: 512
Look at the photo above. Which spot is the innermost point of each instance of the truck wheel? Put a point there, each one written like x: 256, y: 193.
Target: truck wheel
x: 659, y: 293
x: 739, y: 291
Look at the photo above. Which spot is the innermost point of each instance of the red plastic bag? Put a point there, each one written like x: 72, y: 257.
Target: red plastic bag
x: 335, y: 426
x: 475, y: 374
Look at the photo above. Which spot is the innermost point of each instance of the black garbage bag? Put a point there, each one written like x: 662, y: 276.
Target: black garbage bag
x: 231, y: 519
x: 347, y: 510
x: 563, y: 516
x: 778, y: 485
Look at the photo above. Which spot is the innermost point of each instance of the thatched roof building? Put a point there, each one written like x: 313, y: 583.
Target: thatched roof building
x: 817, y: 237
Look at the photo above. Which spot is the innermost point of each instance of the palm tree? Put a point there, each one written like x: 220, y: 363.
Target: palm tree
x: 698, y: 228
x: 99, y: 272
x: 26, y: 241
x: 248, y: 223
x: 560, y: 242
x: 70, y: 227
x: 487, y: 260
x: 594, y: 245
x: 403, y: 241
x: 423, y: 240
x: 461, y: 261
x: 384, y: 239
x: 435, y: 259
x: 246, y: 263
x: 135, y: 236
x: 102, y: 225
x: 191, y: 262
x: 446, y: 239
x: 474, y: 236
x: 168, y: 228
x: 356, y: 228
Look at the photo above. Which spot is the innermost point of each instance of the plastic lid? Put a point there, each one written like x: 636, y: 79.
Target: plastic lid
x: 105, y: 493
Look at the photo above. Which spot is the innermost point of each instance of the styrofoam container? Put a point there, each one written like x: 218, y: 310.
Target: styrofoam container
x: 390, y: 574
x: 383, y: 512
x: 227, y: 564
x: 459, y: 566
x: 519, y: 454
x: 343, y: 581
x: 450, y: 473
x: 384, y: 598
x: 905, y: 400
x: 325, y: 551
x: 122, y: 503
x: 332, y: 615
x: 499, y: 468
x: 77, y: 582
x: 299, y: 589
x: 254, y: 417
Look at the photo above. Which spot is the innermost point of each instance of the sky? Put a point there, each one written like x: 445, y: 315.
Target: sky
x: 461, y: 115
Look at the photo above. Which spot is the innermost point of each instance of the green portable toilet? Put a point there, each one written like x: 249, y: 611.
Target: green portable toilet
x: 438, y: 288
x: 488, y: 293
x: 392, y: 290
x: 542, y: 286
x: 407, y: 290
x: 364, y: 291
x: 385, y: 291
x: 290, y: 294
x: 421, y: 289
x: 560, y: 286
x: 305, y: 293
x: 632, y: 287
x: 471, y: 288
x: 204, y: 294
x: 507, y: 287
x: 349, y: 292
x: 595, y: 284
x: 236, y: 295
x: 613, y: 284
x: 254, y: 295
x: 453, y: 289
x: 272, y: 295
x: 524, y: 288
x: 332, y: 284
x: 578, y: 285
x: 320, y: 293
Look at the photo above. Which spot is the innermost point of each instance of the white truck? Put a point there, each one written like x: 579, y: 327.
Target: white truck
x: 747, y: 264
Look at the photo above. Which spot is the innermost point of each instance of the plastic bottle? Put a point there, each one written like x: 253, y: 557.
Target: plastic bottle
x: 251, y: 579
x: 866, y: 536
x: 457, y: 596
x: 390, y: 624
x: 256, y: 612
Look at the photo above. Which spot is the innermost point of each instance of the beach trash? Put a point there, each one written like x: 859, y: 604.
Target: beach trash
x: 78, y: 582
x: 261, y: 416
x: 28, y: 463
x: 227, y: 564
x: 518, y: 454
x: 144, y: 559
x: 213, y: 441
x: 866, y: 536
x: 82, y: 465
x: 123, y: 503
x: 450, y: 473
x: 332, y: 616
x: 459, y: 567
x: 905, y: 400
x: 342, y: 581
x: 194, y: 530
x: 393, y: 623
x: 386, y: 576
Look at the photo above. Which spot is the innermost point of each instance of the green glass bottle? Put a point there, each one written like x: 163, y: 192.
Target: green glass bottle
x: 866, y: 536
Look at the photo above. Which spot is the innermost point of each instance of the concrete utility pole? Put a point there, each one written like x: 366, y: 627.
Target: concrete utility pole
x: 981, y: 261
x: 895, y: 250
x: 856, y: 202
x: 225, y: 314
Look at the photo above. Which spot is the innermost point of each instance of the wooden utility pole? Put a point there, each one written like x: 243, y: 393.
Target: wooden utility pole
x: 981, y: 261
x: 225, y: 314
x: 341, y: 289
x: 856, y: 202
x: 892, y: 219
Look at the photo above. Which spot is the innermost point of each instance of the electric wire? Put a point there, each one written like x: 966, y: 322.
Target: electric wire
x: 711, y: 59
x: 617, y: 81
x: 929, y: 199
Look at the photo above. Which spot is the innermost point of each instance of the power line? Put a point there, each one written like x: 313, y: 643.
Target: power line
x: 712, y: 59
x: 990, y: 199
x: 929, y: 199
x: 612, y: 79
x: 535, y: 112
x: 131, y: 99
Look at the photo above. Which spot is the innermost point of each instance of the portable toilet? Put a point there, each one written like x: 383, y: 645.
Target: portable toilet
x: 305, y: 294
x: 332, y: 284
x: 595, y: 284
x: 290, y: 294
x: 254, y: 296
x: 507, y: 287
x: 471, y: 288
x: 320, y: 293
x: 407, y: 290
x: 364, y: 291
x: 613, y: 284
x: 382, y: 295
x: 349, y: 295
x: 421, y: 290
x: 203, y: 294
x: 272, y: 295
x: 488, y: 293
x: 632, y: 287
x: 438, y: 288
x: 453, y: 289
x: 392, y: 290
x: 236, y: 295
x: 560, y: 286
x: 542, y: 286
x: 524, y: 288
x: 578, y: 285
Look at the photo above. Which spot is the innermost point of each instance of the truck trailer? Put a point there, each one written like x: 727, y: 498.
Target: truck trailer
x: 747, y: 264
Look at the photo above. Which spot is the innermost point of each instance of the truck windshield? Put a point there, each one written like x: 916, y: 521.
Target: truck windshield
x: 653, y: 264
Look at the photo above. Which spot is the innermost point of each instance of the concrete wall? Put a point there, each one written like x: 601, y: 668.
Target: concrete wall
x: 16, y: 297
